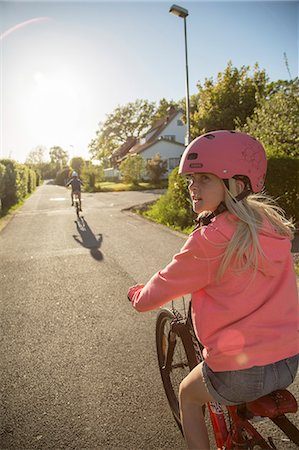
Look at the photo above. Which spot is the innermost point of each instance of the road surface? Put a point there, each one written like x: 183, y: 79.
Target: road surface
x: 78, y: 364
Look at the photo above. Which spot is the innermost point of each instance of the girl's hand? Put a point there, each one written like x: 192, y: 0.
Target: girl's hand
x: 134, y: 291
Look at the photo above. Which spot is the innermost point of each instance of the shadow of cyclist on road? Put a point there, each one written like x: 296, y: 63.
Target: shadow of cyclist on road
x: 89, y: 239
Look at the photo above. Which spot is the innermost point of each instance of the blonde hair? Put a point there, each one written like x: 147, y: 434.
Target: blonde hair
x: 244, y: 250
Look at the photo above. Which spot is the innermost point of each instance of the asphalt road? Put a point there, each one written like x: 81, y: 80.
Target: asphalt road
x: 78, y: 364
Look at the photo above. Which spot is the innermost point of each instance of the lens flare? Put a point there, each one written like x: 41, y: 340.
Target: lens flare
x: 20, y: 25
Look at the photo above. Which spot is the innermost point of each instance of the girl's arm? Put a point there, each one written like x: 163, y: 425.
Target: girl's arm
x: 188, y: 272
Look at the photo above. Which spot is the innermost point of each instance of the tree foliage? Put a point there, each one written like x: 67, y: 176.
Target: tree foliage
x: 156, y: 168
x: 231, y: 98
x: 91, y: 174
x: 275, y: 120
x: 77, y: 163
x: 174, y: 207
x: 163, y: 108
x: 36, y: 156
x: 130, y: 120
x: 17, y: 180
x: 132, y: 169
x: 2, y: 182
x: 58, y: 156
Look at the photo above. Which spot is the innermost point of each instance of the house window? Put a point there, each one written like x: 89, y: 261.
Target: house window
x: 179, y: 123
x: 169, y: 137
x: 173, y: 162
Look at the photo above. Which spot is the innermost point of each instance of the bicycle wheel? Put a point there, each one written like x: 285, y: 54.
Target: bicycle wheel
x: 77, y: 209
x: 176, y: 356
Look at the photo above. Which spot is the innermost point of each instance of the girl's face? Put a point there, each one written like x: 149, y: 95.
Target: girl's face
x: 206, y: 191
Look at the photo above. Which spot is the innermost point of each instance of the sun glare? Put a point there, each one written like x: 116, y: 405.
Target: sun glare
x: 53, y: 106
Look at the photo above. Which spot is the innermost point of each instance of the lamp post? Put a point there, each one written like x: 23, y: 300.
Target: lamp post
x: 182, y: 12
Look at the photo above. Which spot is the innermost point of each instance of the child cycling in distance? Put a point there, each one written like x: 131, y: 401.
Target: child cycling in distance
x: 76, y: 184
x: 237, y: 264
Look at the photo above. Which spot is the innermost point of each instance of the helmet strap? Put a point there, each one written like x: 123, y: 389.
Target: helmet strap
x: 204, y: 221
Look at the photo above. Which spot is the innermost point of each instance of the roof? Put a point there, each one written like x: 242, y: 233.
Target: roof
x: 160, y: 124
x: 121, y: 151
x: 156, y: 129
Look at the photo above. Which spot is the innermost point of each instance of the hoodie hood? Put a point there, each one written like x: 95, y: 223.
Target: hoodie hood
x: 276, y: 249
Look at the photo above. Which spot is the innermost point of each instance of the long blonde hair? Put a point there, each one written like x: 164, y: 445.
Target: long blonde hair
x: 244, y: 250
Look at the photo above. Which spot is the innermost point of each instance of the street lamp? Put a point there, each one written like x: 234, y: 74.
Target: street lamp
x: 182, y: 12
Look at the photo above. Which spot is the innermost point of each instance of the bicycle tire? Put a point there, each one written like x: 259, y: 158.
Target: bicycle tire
x: 174, y: 343
x: 289, y: 429
x: 77, y: 210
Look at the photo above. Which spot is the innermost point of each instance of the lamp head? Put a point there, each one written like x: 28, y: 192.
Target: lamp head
x: 178, y: 11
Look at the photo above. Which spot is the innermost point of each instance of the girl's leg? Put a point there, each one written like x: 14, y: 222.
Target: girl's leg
x: 193, y: 395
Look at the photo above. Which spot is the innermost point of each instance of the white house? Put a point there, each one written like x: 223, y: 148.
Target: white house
x: 166, y: 137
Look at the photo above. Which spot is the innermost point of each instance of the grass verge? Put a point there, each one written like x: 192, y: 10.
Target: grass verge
x: 110, y: 186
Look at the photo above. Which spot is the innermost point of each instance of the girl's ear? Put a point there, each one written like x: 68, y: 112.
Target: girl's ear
x: 239, y: 186
x: 235, y: 186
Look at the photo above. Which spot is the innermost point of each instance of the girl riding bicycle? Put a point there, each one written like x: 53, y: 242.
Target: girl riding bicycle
x: 238, y: 266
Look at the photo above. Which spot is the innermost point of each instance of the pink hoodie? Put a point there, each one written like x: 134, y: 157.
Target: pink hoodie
x: 244, y: 320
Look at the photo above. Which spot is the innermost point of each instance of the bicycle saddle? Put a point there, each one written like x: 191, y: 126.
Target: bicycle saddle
x: 273, y: 405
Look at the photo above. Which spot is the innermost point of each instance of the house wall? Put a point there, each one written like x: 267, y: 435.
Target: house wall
x: 166, y: 150
x: 111, y: 174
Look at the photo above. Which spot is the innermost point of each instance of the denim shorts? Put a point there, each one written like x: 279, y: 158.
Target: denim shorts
x: 240, y: 386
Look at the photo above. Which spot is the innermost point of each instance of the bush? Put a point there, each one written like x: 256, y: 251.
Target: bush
x: 91, y: 175
x: 132, y: 169
x: 32, y: 180
x: 174, y: 208
x: 62, y: 176
x: 22, y: 182
x: 16, y: 180
x: 156, y: 168
x: 282, y: 184
x: 10, y: 183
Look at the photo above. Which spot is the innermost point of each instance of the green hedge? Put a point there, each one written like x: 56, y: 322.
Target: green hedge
x: 17, y: 181
x: 174, y: 208
x: 282, y: 183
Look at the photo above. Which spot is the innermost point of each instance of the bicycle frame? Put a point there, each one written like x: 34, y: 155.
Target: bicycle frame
x: 233, y: 438
x: 240, y: 434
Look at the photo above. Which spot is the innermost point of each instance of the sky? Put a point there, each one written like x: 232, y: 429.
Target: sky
x: 65, y: 65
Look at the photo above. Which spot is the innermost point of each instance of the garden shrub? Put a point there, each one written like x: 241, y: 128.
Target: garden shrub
x: 174, y: 207
x: 63, y: 176
x: 10, y: 183
x: 282, y: 184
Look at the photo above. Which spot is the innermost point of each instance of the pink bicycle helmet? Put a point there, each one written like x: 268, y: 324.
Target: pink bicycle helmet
x: 226, y: 154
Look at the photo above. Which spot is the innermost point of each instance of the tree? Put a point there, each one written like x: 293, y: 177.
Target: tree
x: 91, y: 174
x: 58, y: 156
x: 275, y: 120
x: 156, y: 168
x: 163, y: 108
x: 130, y: 120
x: 233, y: 97
x: 36, y: 156
x: 132, y: 169
x: 77, y: 163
